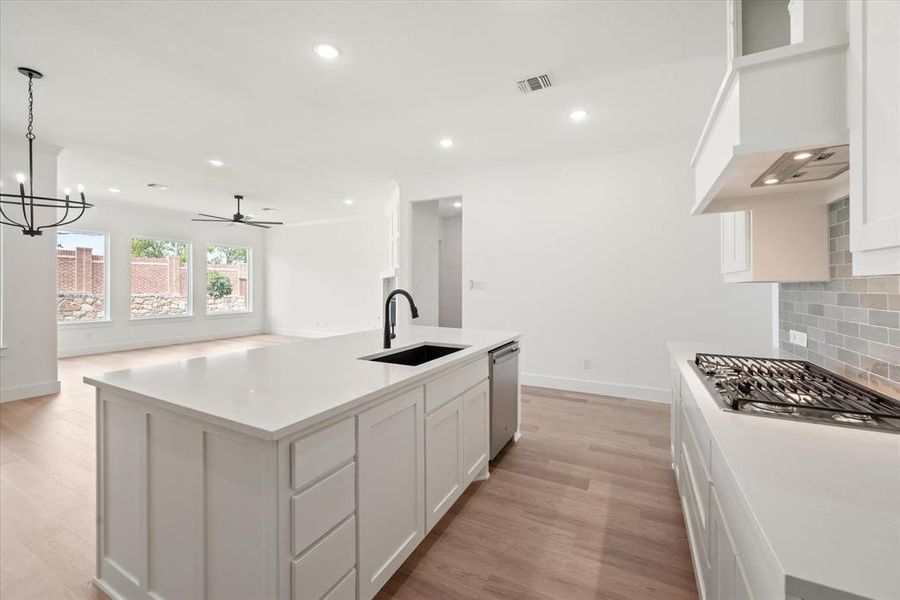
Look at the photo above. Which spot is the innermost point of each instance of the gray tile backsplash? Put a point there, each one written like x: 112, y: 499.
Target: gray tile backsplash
x: 852, y: 323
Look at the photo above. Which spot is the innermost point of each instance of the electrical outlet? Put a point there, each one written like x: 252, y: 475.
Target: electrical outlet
x: 477, y: 285
x: 587, y: 364
x: 798, y: 338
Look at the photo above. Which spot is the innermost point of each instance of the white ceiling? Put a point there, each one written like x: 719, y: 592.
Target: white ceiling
x: 149, y: 91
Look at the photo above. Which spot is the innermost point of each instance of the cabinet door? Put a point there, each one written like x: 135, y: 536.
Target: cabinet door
x: 391, y: 472
x: 722, y: 555
x: 735, y: 242
x: 476, y: 426
x: 873, y: 85
x: 444, y: 468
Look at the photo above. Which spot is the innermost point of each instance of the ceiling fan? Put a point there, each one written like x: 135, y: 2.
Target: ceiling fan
x: 237, y: 217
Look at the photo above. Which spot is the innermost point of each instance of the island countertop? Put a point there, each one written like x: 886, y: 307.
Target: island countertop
x: 825, y: 498
x: 274, y: 391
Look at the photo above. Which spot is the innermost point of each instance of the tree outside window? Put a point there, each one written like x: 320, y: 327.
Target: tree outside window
x: 227, y: 279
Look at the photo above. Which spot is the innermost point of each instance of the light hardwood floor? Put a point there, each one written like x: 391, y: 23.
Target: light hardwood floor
x: 584, y: 506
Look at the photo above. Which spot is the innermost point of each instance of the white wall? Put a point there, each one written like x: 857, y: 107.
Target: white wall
x: 324, y: 278
x: 450, y: 286
x: 28, y: 275
x: 122, y: 221
x: 425, y: 237
x: 595, y: 258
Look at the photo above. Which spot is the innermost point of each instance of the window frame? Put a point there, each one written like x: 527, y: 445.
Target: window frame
x: 107, y: 304
x: 189, y: 314
x: 249, y: 309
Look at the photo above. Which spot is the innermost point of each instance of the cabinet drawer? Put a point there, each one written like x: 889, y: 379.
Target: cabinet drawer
x: 316, y: 454
x: 453, y: 384
x: 317, y: 571
x: 345, y: 590
x: 321, y: 507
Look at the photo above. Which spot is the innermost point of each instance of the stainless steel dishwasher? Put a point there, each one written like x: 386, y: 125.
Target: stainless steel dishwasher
x: 504, y: 395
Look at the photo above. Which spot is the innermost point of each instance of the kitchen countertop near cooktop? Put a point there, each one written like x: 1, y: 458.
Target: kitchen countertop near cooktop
x: 826, y: 498
x: 278, y: 390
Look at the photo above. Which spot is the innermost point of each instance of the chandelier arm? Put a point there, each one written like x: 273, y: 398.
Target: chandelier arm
x: 60, y: 222
x: 8, y: 220
x: 64, y: 222
x: 57, y: 202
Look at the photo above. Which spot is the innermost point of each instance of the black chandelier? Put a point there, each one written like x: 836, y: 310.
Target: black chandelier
x: 28, y: 202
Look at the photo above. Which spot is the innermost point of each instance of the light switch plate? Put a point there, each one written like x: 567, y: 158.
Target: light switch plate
x: 798, y: 338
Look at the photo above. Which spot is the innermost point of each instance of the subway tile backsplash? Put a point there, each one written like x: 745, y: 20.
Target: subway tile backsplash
x: 852, y: 323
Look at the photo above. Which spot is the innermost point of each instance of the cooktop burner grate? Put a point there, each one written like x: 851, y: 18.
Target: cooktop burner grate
x: 796, y: 388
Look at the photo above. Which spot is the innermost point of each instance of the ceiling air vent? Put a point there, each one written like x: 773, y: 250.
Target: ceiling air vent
x: 534, y: 84
x: 159, y: 186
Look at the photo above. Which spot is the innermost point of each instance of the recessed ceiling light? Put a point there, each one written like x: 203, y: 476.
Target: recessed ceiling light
x: 457, y: 204
x: 114, y: 190
x: 269, y: 209
x: 349, y: 201
x: 446, y: 143
x: 802, y: 155
x: 579, y: 114
x: 771, y: 180
x: 159, y: 186
x: 215, y: 162
x: 326, y: 51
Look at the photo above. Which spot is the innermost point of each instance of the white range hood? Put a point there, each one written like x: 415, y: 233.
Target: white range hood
x: 776, y: 111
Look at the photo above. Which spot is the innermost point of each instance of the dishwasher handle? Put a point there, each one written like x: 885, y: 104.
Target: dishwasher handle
x: 504, y: 354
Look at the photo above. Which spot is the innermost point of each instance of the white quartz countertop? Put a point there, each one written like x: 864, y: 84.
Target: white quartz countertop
x: 275, y: 391
x: 827, y: 499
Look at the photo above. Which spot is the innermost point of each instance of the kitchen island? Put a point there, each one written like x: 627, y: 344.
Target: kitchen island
x: 780, y: 508
x: 302, y: 471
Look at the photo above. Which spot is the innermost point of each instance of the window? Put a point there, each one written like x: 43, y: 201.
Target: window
x: 81, y: 276
x: 227, y: 279
x: 160, y: 278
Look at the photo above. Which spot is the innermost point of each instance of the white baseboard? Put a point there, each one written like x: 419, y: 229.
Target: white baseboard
x: 153, y: 343
x: 29, y: 391
x: 588, y: 386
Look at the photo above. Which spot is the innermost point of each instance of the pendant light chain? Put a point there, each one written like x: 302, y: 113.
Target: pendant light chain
x: 30, y: 134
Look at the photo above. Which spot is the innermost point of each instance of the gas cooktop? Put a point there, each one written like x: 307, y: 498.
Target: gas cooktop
x: 795, y: 389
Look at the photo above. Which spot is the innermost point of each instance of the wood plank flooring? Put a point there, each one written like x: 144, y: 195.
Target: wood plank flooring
x: 584, y: 506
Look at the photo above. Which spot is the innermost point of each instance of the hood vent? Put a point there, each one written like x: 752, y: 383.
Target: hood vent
x: 534, y: 84
x: 801, y: 166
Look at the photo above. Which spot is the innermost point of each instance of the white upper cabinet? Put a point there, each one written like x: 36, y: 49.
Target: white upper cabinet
x: 783, y: 244
x: 780, y: 113
x: 873, y: 102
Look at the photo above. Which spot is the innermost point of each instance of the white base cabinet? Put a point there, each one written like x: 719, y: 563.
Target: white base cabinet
x: 391, y: 487
x: 444, y: 457
x: 185, y: 507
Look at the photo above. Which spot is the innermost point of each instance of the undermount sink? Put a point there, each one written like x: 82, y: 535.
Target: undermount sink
x: 415, y: 356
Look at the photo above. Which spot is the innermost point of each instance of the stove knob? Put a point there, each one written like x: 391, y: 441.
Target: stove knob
x: 744, y: 387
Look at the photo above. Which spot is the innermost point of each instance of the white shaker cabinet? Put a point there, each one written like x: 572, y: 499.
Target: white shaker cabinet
x: 476, y: 434
x: 784, y: 244
x: 391, y: 504
x: 444, y: 460
x: 873, y: 104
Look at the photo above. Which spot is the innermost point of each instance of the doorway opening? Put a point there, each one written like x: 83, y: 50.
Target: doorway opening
x: 437, y: 261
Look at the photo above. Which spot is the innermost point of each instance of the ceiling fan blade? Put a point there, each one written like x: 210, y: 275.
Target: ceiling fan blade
x: 213, y: 220
x: 264, y: 222
x: 252, y: 224
x: 215, y: 217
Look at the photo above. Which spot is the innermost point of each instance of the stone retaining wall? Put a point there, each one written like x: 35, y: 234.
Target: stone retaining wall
x: 79, y: 307
x: 74, y: 306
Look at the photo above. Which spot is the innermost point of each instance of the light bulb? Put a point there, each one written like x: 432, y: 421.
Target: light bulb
x: 80, y: 188
x: 67, y: 191
x: 20, y: 177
